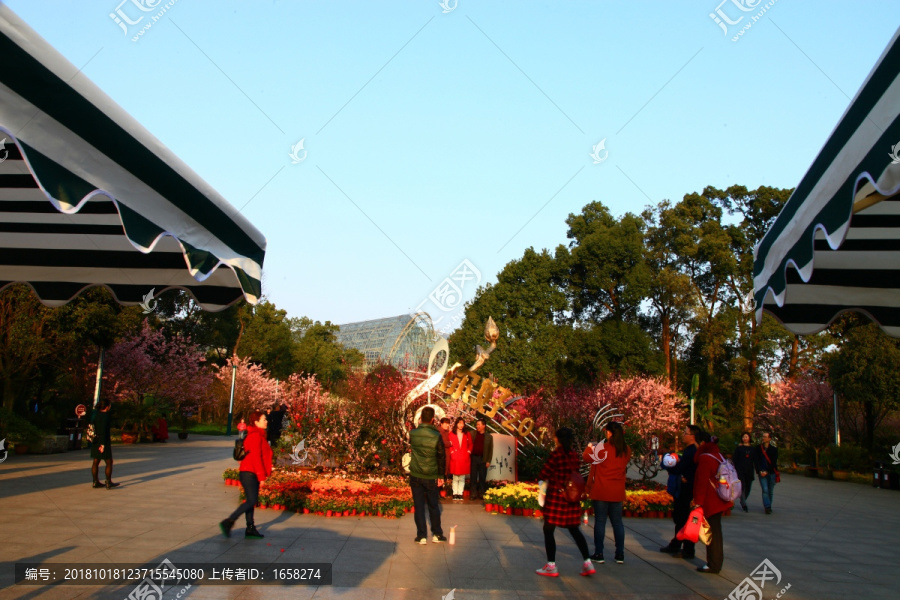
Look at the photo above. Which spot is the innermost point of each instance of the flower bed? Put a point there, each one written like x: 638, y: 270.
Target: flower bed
x: 521, y: 498
x: 331, y: 496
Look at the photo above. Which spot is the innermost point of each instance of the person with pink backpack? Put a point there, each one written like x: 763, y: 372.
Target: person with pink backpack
x: 707, y: 496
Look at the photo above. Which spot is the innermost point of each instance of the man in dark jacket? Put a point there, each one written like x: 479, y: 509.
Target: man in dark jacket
x: 276, y: 423
x: 765, y: 459
x: 426, y: 469
x: 681, y: 508
x: 482, y: 454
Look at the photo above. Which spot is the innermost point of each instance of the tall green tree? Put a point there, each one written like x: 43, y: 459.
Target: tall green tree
x: 317, y: 352
x: 865, y: 370
x: 530, y: 309
x: 670, y: 294
x: 266, y: 338
x: 608, y: 276
x: 756, y: 210
x: 704, y: 248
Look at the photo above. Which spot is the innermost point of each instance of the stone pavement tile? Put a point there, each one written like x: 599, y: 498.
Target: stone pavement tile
x: 307, y: 554
x: 328, y: 592
x: 368, y: 579
x: 361, y: 562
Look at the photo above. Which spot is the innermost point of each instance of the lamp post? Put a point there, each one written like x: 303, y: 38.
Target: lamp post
x: 231, y: 400
x: 99, y: 384
x: 695, y: 387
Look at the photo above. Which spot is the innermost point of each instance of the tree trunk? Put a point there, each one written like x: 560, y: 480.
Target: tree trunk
x: 666, y: 336
x: 795, y: 355
x: 674, y: 361
x: 749, y: 407
x: 870, y: 424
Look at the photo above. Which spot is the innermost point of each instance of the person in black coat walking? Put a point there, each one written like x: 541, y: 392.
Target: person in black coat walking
x: 743, y: 464
x: 765, y: 459
x: 101, y: 446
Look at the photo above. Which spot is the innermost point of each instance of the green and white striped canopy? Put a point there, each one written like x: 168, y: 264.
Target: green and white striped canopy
x: 89, y: 197
x: 836, y: 244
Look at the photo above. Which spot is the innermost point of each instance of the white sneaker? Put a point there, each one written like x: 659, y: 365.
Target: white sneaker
x: 548, y: 570
x: 587, y: 568
x: 422, y: 541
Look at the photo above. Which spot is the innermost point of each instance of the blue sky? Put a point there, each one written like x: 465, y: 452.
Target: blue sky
x: 432, y: 138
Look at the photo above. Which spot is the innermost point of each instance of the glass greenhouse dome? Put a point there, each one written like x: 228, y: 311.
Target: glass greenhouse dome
x: 404, y: 341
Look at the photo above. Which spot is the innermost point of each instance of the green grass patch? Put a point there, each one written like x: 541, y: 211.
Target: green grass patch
x: 207, y: 429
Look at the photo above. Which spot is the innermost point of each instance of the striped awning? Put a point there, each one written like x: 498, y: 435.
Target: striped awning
x: 836, y: 244
x: 89, y: 197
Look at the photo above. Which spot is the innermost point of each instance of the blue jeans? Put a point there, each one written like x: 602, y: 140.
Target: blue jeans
x: 614, y: 511
x: 250, y: 483
x: 425, y: 493
x: 767, y: 484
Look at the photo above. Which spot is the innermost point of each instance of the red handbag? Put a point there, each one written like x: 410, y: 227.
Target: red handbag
x: 691, y: 530
x: 573, y: 491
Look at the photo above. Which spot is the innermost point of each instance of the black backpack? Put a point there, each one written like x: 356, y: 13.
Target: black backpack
x: 239, y: 453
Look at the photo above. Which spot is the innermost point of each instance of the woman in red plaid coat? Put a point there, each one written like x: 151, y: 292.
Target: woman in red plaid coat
x: 559, y: 512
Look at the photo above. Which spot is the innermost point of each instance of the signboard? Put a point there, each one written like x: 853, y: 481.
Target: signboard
x: 80, y: 410
x: 503, y: 463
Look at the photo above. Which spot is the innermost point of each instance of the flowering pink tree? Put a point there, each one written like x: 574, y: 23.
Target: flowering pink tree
x: 151, y: 365
x: 800, y: 409
x: 254, y: 389
x: 331, y: 427
x: 650, y: 407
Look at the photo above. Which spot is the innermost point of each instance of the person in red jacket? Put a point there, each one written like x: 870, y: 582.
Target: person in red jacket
x: 254, y: 469
x: 460, y: 451
x: 606, y: 487
x: 706, y: 495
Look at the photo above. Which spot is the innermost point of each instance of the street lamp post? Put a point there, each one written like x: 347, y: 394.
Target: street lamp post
x: 231, y: 400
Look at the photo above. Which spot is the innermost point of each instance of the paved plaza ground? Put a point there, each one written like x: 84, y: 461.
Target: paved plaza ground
x: 829, y: 540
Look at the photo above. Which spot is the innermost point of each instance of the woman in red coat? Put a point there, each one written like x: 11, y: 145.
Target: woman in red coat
x: 606, y: 487
x: 559, y: 512
x: 254, y: 469
x: 460, y: 452
x: 706, y: 495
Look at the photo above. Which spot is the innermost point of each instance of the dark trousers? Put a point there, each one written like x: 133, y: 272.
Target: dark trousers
x: 550, y: 541
x: 680, y: 511
x: 715, y: 554
x: 613, y: 510
x: 746, y: 484
x: 478, y: 478
x: 251, y: 492
x: 425, y: 492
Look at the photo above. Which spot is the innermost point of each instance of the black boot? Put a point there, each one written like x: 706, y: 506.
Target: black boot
x: 110, y: 485
x: 226, y: 526
x: 97, y: 484
x: 253, y: 533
